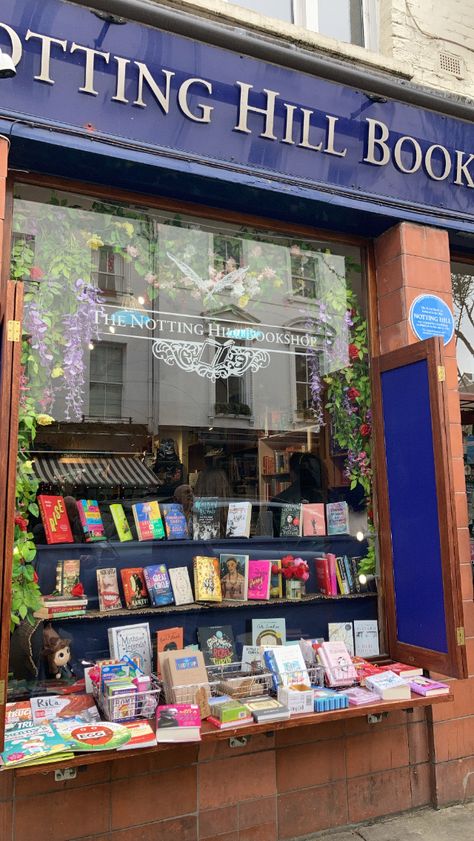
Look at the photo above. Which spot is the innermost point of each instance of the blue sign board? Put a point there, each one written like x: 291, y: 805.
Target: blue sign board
x: 183, y: 99
x: 431, y: 316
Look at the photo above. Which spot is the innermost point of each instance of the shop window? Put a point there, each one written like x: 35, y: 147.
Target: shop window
x: 106, y: 380
x: 304, y: 400
x: 109, y: 271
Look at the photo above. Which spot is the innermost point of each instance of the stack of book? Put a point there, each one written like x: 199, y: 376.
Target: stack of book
x: 61, y: 607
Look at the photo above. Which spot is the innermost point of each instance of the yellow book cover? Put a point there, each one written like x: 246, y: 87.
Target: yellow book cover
x: 276, y: 583
x: 120, y: 521
x: 207, y: 583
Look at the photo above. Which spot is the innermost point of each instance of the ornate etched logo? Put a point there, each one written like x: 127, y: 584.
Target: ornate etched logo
x: 211, y: 359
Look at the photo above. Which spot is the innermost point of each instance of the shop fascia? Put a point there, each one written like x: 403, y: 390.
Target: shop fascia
x: 379, y: 146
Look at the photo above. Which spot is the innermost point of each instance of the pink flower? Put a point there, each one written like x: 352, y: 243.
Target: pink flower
x: 132, y: 251
x: 36, y: 273
x: 353, y: 352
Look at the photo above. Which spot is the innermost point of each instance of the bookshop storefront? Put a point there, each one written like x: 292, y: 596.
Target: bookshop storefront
x: 227, y: 436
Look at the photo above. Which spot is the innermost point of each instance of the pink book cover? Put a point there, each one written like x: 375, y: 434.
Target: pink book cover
x: 332, y: 572
x: 337, y: 663
x: 259, y: 579
x: 178, y: 715
x: 314, y: 522
x: 427, y: 686
x: 91, y: 520
x: 358, y: 696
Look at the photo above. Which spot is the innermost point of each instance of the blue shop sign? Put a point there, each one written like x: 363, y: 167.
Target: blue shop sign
x: 431, y: 316
x: 185, y: 100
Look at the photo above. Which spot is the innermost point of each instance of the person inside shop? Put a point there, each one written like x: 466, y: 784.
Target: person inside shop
x: 213, y: 481
x: 185, y: 497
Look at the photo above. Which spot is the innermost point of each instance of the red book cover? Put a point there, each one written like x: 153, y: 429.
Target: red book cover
x: 55, y: 519
x: 134, y: 588
x: 323, y: 578
x: 314, y: 522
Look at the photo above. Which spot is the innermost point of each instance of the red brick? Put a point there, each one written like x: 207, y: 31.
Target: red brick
x: 87, y: 775
x: 421, y: 785
x: 389, y: 277
x: 226, y: 781
x: 423, y: 241
x: 218, y: 821
x: 56, y: 817
x: 310, y: 733
x: 394, y: 337
x: 264, y: 832
x: 6, y: 821
x: 391, y: 308
x: 221, y: 749
x: 315, y: 763
x: 4, y: 148
x: 464, y: 545
x: 388, y: 246
x: 156, y: 796
x: 466, y: 581
x: 418, y: 743
x: 256, y: 812
x: 453, y: 739
x: 381, y: 750
x: 378, y: 794
x: 312, y: 810
x: 426, y: 275
x: 156, y: 761
x: 176, y: 829
x: 454, y: 781
x: 228, y: 836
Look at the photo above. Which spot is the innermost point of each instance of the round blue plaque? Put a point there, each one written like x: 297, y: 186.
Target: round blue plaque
x: 430, y: 316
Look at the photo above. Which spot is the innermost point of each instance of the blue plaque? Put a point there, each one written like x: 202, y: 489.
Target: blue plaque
x: 431, y: 316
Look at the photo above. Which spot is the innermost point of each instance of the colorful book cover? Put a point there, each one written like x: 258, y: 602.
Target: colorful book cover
x: 55, y: 519
x: 181, y: 585
x: 428, y: 687
x: 102, y: 735
x: 206, y: 518
x: 268, y: 631
x: 389, y: 686
x: 323, y: 578
x: 251, y: 658
x: 314, y: 522
x: 107, y: 589
x: 91, y: 519
x: 287, y: 665
x: 207, y: 582
x: 67, y: 575
x: 133, y: 641
x: 402, y: 670
x: 337, y: 663
x: 364, y: 669
x: 120, y: 522
x: 168, y: 639
x: 148, y: 520
x: 342, y: 632
x: 366, y: 637
x: 290, y: 520
x: 337, y: 515
x: 62, y: 707
x: 276, y: 580
x: 342, y: 582
x: 259, y: 579
x: 134, y: 588
x: 175, y: 522
x: 27, y: 743
x: 16, y: 711
x: 238, y: 519
x: 158, y: 584
x: 178, y: 723
x: 332, y: 571
x: 358, y: 696
x: 234, y: 577
x: 142, y: 735
x: 349, y: 575
x: 217, y: 644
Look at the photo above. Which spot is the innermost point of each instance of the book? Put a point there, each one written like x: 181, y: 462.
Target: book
x: 234, y: 577
x: 206, y: 518
x: 168, y: 639
x: 259, y: 579
x: 107, y: 589
x: 428, y: 687
x: 267, y: 708
x: 120, y: 522
x: 365, y: 669
x: 56, y: 524
x: 67, y: 576
x: 354, y: 565
x: 228, y: 725
x: 176, y: 525
x: 16, y: 711
x: 348, y: 573
x: 148, y: 522
x: 314, y: 522
x: 342, y: 631
x: 287, y: 666
x: 332, y: 571
x: 69, y: 608
x: 341, y: 576
x: 217, y: 644
x: 276, y: 582
x: 239, y: 515
x: 207, y: 582
x: 27, y: 743
x: 185, y: 678
x: 158, y: 584
x: 101, y: 735
x: 337, y: 663
x: 133, y: 640
x: 62, y: 707
x: 323, y: 577
x: 178, y: 723
x: 358, y: 696
x: 268, y: 631
x: 251, y: 658
x: 134, y: 587
x: 290, y: 520
x: 388, y: 686
x: 181, y: 585
x: 329, y: 699
x: 91, y: 520
x: 231, y: 711
x: 402, y: 670
x: 366, y: 638
x: 337, y: 516
x: 142, y: 735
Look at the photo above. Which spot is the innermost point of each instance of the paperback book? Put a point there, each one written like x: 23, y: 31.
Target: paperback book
x: 426, y: 686
x: 287, y: 665
x: 268, y: 631
x: 217, y: 645
x: 314, y: 522
x: 55, y: 519
x: 234, y: 577
x: 276, y: 582
x: 63, y: 707
x: 337, y: 663
x: 91, y: 520
x: 148, y: 522
x: 133, y: 641
x: 259, y: 579
x: 107, y: 589
x: 337, y: 515
x: 120, y: 522
x: 168, y: 639
x: 206, y: 518
x: 342, y: 632
x: 175, y: 522
x: 67, y: 576
x: 366, y: 637
x: 207, y: 582
x: 178, y: 723
x: 27, y: 743
x: 158, y: 584
x: 251, y: 658
x: 134, y: 588
x: 141, y: 733
x: 388, y: 686
x: 181, y: 585
x: 238, y: 519
x: 290, y: 520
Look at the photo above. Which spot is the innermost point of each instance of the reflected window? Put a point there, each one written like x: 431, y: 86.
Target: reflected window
x: 109, y: 271
x: 106, y: 381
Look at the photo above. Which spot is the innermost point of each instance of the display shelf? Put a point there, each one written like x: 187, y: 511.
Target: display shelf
x: 211, y: 734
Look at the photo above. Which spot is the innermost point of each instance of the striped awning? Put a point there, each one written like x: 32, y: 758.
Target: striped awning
x: 100, y: 472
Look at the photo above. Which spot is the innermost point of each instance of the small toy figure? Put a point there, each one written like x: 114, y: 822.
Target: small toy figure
x: 57, y: 651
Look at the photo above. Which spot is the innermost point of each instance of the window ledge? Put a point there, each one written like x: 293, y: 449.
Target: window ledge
x: 210, y: 734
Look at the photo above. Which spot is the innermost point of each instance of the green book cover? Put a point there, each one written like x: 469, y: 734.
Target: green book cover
x: 120, y: 521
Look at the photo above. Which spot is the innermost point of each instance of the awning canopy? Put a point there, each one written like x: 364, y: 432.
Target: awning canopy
x: 100, y: 472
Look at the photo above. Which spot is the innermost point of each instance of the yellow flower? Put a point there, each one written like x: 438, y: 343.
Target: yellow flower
x: 95, y: 242
x: 57, y: 372
x: 128, y: 228
x: 28, y: 465
x: 243, y: 301
x: 44, y: 420
x: 278, y: 282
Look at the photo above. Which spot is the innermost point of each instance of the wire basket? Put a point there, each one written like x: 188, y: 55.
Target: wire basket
x: 231, y: 680
x: 310, y: 676
x: 128, y: 706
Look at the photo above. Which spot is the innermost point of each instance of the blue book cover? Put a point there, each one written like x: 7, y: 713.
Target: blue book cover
x: 158, y: 585
x: 175, y: 522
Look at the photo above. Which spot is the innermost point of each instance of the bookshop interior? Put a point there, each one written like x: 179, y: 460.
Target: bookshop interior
x: 194, y: 537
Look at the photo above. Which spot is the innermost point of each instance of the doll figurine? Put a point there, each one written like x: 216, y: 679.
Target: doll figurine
x: 57, y: 651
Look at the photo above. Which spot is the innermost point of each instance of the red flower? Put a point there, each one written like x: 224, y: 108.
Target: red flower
x: 77, y: 590
x: 352, y: 393
x: 288, y: 573
x: 35, y: 577
x: 21, y: 523
x: 365, y: 430
x: 287, y: 561
x: 353, y: 352
x: 36, y: 273
x: 276, y: 570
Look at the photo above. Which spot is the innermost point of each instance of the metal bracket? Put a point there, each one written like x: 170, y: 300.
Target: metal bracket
x: 238, y: 741
x: 13, y: 331
x: 375, y: 718
x: 62, y: 774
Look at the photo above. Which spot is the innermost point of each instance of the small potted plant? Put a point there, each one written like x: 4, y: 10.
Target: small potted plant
x: 295, y: 571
